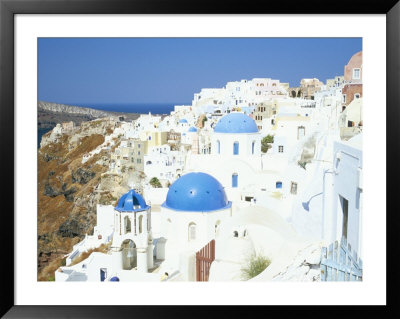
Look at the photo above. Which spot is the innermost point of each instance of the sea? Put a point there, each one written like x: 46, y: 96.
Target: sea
x: 143, y: 108
x: 41, y: 132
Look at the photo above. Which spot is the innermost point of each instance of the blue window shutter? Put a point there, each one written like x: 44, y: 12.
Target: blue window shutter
x: 235, y: 148
x: 234, y: 180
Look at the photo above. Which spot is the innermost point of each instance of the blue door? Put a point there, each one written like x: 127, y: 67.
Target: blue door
x: 278, y: 184
x: 235, y: 180
x: 103, y: 274
x: 236, y: 148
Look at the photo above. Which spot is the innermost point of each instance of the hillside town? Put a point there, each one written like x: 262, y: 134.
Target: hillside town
x: 257, y: 170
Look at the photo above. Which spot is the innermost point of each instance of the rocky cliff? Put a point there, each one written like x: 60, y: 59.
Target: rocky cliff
x: 69, y: 190
x: 55, y: 107
x: 50, y: 114
x: 66, y: 192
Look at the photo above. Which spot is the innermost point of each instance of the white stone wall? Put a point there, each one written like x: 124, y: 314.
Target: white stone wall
x: 227, y: 140
x: 175, y: 228
x: 347, y: 184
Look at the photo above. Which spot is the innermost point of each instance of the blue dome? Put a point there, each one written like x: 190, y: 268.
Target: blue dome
x: 192, y: 129
x: 183, y: 121
x: 114, y: 279
x: 236, y: 123
x: 196, y: 192
x: 131, y: 202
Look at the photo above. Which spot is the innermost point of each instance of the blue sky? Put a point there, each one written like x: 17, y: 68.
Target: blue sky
x: 171, y: 70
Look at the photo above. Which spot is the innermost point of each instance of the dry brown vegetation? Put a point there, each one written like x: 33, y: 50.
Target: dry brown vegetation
x: 61, y: 199
x: 47, y: 273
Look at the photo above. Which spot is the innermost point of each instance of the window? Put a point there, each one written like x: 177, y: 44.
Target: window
x: 278, y: 185
x: 138, y: 153
x: 149, y: 138
x: 216, y: 226
x: 344, y: 98
x: 357, y: 95
x: 293, y: 188
x: 138, y: 146
x: 234, y: 180
x: 356, y: 73
x: 252, y: 147
x: 280, y: 148
x: 192, y: 232
x: 301, y: 131
x: 236, y: 148
x: 219, y: 147
x: 238, y: 89
x: 138, y: 161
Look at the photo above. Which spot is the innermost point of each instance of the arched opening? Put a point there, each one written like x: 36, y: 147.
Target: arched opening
x: 252, y: 147
x: 216, y: 230
x: 127, y: 224
x: 236, y: 148
x: 219, y: 147
x: 235, y: 233
x: 129, y: 254
x: 140, y: 224
x: 148, y: 163
x: 278, y: 184
x: 192, y: 232
x: 235, y: 180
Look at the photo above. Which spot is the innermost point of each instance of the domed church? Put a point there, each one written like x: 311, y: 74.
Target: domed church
x: 196, y: 204
x: 235, y: 159
x: 236, y: 134
x: 132, y: 238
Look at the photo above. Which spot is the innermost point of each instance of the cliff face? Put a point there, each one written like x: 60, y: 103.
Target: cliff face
x: 49, y: 114
x: 54, y: 107
x: 66, y: 192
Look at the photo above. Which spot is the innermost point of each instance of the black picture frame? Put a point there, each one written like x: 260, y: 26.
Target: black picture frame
x: 8, y: 8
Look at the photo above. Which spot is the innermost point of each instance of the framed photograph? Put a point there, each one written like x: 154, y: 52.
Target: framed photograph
x: 196, y: 155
